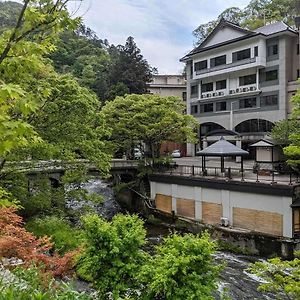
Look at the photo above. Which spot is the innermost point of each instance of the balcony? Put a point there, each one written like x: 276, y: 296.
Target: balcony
x: 232, y: 93
x: 232, y: 67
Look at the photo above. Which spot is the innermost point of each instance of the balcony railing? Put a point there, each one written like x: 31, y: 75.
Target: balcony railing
x: 227, y: 66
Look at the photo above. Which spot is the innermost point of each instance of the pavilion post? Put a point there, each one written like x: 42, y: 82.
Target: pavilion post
x: 222, y: 164
x: 242, y: 164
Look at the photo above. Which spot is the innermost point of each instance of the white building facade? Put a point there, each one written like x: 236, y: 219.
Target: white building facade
x: 241, y: 81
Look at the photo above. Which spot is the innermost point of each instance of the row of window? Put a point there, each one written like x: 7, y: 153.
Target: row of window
x: 272, y: 50
x: 251, y: 102
x: 243, y: 80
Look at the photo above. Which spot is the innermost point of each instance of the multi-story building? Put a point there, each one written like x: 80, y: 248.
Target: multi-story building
x: 168, y: 85
x: 239, y: 82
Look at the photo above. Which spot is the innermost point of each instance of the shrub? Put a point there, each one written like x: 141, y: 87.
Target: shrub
x: 65, y: 237
x: 113, y: 255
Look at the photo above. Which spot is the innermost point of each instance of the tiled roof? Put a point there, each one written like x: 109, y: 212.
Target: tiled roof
x: 222, y: 148
x: 273, y: 28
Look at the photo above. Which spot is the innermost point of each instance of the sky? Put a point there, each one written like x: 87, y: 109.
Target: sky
x: 162, y: 29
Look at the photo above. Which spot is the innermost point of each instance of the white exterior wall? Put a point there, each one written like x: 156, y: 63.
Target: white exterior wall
x: 229, y: 200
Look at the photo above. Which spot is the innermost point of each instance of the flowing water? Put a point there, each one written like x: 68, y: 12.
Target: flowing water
x: 234, y: 279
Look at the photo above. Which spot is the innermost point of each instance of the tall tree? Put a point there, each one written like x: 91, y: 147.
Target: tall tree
x: 130, y: 67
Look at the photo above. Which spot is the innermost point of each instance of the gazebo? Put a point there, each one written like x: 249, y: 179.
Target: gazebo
x: 222, y: 149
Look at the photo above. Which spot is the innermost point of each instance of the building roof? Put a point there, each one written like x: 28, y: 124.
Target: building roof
x: 263, y: 143
x: 222, y: 148
x: 273, y: 28
x: 267, y: 30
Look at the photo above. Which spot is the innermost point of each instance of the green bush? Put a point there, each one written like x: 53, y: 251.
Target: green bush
x: 64, y: 236
x: 113, y: 253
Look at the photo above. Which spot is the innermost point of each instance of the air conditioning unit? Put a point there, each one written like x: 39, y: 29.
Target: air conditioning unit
x: 248, y: 89
x: 204, y: 96
x: 221, y: 93
x: 208, y: 95
x: 232, y: 92
x: 224, y: 222
x: 237, y: 90
x: 252, y: 88
x: 241, y: 89
x: 244, y: 89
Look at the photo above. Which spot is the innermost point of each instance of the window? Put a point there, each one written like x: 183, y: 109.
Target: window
x: 194, y: 109
x: 296, y: 221
x: 201, y: 65
x: 184, y: 96
x: 297, y: 49
x: 218, y: 61
x: 194, y: 91
x: 207, y: 87
x: 298, y: 73
x: 240, y: 55
x: 221, y: 85
x: 270, y: 100
x: 256, y: 51
x: 272, y: 50
x: 209, y: 107
x: 221, y: 106
x: 247, y: 103
x: 248, y: 79
x: 254, y: 125
x: 272, y: 75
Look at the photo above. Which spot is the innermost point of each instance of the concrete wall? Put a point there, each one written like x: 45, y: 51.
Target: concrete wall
x: 273, y: 212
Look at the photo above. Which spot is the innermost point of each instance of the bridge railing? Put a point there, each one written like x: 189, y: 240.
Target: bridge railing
x: 245, y: 175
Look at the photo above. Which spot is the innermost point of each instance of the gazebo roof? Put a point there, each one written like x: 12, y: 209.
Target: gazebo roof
x: 263, y: 143
x: 222, y: 148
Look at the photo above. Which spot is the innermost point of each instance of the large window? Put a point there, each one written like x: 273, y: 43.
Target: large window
x: 221, y: 106
x: 218, y: 61
x: 256, y: 51
x: 194, y: 109
x: 247, y: 103
x: 221, y: 85
x: 270, y: 100
x: 201, y: 65
x: 248, y: 79
x: 272, y: 75
x: 207, y: 87
x: 254, y: 125
x: 240, y: 55
x: 296, y: 221
x: 208, y: 107
x: 194, y: 91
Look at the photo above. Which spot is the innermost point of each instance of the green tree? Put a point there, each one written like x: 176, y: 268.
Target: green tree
x: 280, y: 277
x: 282, y: 131
x: 113, y: 253
x: 256, y: 14
x: 182, y: 268
x: 150, y: 119
x: 130, y: 67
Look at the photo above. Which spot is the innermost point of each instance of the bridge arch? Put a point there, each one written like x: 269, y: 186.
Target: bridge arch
x: 207, y: 127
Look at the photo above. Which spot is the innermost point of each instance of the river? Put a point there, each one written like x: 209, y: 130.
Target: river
x: 239, y: 283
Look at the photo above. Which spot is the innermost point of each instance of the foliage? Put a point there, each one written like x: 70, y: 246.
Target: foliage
x: 182, y: 268
x: 254, y: 15
x: 113, y: 253
x: 28, y: 284
x: 130, y: 68
x: 22, y: 64
x: 280, y: 277
x: 17, y: 242
x: 148, y: 118
x: 64, y: 236
x: 282, y: 130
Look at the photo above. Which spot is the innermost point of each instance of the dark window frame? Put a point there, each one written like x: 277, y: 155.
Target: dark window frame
x: 207, y: 107
x: 195, y: 93
x: 200, y: 65
x: 269, y: 77
x: 255, y: 51
x: 247, y: 80
x: 194, y: 109
x: 220, y: 84
x: 218, y: 61
x: 205, y: 85
x: 248, y: 103
x: 220, y: 106
x: 241, y: 55
x: 269, y: 100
